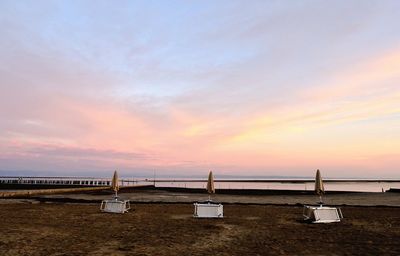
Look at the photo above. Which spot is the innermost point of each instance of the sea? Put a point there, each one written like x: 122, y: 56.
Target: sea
x: 281, y: 183
x: 356, y: 186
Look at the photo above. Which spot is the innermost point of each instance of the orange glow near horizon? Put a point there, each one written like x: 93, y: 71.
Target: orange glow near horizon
x: 227, y: 98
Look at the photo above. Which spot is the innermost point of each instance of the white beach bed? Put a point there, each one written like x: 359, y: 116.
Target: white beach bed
x: 208, y: 210
x: 115, y: 206
x: 322, y: 214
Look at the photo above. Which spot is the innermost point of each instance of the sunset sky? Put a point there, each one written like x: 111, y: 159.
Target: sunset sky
x: 183, y: 87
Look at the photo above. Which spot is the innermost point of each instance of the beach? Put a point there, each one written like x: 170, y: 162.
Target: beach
x: 162, y: 223
x: 271, y: 197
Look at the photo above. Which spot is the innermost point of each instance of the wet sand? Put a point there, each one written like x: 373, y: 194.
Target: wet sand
x: 160, y: 196
x: 33, y: 228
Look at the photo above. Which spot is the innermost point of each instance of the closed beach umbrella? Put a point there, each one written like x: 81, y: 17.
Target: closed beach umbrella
x: 210, y: 183
x: 114, y: 182
x: 319, y: 185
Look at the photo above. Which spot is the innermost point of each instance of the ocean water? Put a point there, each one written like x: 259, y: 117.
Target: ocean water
x: 357, y: 186
x: 281, y: 184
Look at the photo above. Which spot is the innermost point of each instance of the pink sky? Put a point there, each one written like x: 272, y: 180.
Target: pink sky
x: 241, y: 90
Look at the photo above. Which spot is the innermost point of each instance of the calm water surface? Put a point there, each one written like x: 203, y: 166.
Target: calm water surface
x: 331, y: 186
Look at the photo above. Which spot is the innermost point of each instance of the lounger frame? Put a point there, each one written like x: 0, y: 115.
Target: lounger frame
x: 115, y: 206
x: 208, y: 210
x: 322, y: 214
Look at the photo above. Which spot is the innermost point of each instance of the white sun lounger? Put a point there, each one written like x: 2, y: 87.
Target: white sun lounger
x: 115, y: 206
x: 322, y: 214
x: 208, y: 210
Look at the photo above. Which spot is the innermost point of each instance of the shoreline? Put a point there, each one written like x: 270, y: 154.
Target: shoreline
x: 97, y: 202
x: 145, y: 195
x: 229, y: 191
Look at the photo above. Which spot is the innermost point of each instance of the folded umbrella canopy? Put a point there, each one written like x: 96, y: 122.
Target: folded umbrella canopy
x: 319, y: 185
x: 114, y: 183
x: 210, y: 183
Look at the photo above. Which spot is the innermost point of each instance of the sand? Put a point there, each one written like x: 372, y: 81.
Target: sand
x: 32, y: 228
x: 160, y: 196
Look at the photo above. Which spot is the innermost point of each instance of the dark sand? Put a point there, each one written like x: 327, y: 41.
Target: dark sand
x: 31, y: 228
x: 160, y: 196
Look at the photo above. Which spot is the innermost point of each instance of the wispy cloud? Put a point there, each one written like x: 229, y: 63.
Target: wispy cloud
x: 264, y: 87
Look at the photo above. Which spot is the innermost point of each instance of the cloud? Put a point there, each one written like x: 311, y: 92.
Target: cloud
x: 233, y: 86
x: 66, y: 152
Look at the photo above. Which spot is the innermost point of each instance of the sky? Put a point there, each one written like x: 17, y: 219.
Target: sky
x: 263, y: 88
